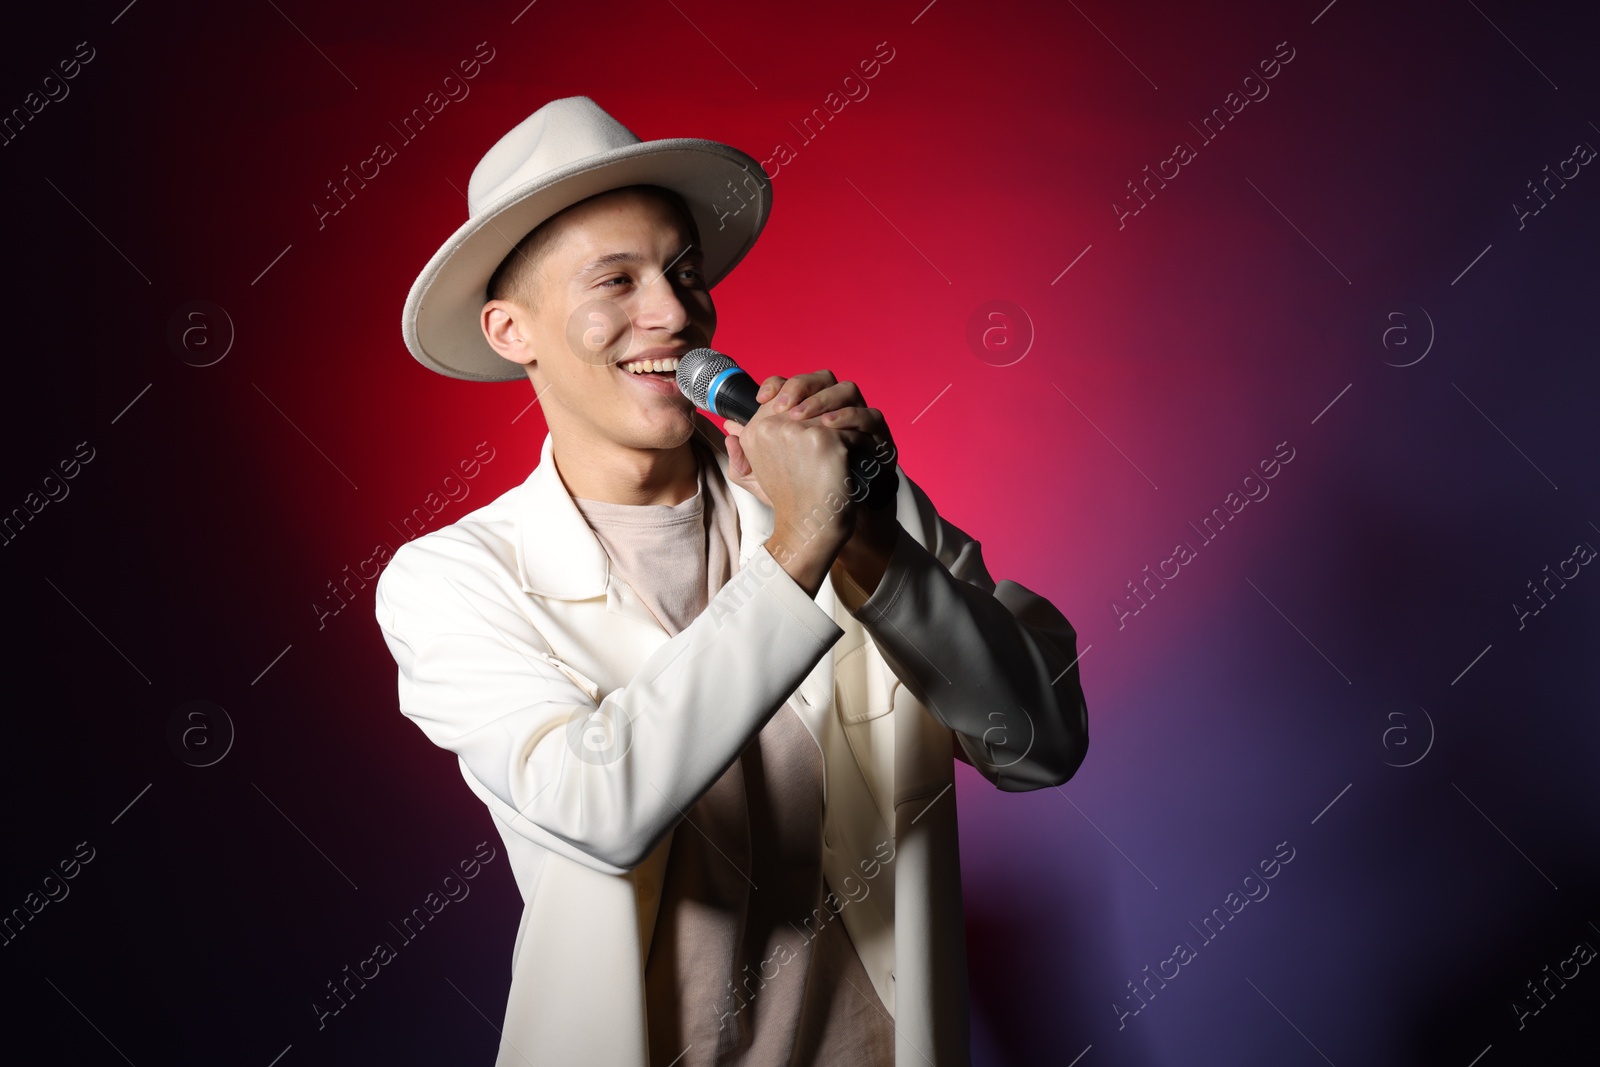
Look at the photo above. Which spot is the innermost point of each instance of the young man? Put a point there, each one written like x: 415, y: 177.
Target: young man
x: 712, y: 703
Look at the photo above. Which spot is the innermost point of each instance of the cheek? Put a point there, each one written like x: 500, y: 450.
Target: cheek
x: 595, y: 333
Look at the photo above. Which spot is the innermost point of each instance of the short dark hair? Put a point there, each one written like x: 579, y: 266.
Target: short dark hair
x: 513, y: 278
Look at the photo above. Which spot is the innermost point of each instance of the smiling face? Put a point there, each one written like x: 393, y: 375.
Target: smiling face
x: 616, y: 279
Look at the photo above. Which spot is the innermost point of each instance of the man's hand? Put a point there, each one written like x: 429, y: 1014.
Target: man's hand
x: 819, y: 399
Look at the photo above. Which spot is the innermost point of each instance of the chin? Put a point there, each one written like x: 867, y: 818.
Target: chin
x: 665, y: 433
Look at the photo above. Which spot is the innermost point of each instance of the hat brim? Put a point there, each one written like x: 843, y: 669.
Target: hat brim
x: 727, y: 192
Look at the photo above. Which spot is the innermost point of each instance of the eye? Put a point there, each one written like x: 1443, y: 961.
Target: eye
x: 621, y: 279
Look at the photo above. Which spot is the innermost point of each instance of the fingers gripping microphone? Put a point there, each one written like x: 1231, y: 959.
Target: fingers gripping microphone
x: 715, y: 383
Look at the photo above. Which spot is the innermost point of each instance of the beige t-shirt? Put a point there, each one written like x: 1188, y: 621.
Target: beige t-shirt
x: 747, y: 964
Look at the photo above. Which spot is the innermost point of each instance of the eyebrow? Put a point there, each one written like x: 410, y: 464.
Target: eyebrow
x: 608, y: 260
x: 611, y: 258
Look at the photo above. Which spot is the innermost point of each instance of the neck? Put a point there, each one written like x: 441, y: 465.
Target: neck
x: 618, y: 474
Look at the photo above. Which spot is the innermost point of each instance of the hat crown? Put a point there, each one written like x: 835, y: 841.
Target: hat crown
x: 560, y: 133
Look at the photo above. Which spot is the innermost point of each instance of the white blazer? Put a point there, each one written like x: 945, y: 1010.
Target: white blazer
x: 587, y: 732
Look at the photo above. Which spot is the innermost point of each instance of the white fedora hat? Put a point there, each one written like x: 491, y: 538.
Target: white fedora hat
x: 564, y: 152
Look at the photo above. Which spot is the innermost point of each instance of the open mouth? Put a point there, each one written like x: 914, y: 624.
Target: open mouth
x: 666, y: 367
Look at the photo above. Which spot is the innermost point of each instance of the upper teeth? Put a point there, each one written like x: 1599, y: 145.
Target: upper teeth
x: 642, y: 366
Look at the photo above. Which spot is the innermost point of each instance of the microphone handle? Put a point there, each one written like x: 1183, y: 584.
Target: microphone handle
x: 732, y: 394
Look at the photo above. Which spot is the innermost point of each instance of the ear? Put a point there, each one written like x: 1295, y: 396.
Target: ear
x: 503, y: 327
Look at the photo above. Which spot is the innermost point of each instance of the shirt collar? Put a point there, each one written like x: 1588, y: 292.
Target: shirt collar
x: 558, y: 555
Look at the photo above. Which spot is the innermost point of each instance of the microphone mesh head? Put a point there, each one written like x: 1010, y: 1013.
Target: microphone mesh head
x: 696, y: 368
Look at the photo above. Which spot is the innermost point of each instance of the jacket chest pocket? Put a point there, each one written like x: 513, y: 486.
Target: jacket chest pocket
x: 863, y: 685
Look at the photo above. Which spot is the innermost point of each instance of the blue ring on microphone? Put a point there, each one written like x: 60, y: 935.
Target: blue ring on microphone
x: 716, y: 383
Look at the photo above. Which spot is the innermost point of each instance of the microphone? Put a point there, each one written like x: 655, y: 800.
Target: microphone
x: 717, y: 384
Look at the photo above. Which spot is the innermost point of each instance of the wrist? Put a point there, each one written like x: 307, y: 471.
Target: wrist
x: 803, y: 558
x: 865, y: 557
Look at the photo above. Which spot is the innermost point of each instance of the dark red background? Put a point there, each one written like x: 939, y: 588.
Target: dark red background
x: 1177, y: 352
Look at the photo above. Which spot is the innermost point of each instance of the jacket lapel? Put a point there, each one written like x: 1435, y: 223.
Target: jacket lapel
x: 559, y: 557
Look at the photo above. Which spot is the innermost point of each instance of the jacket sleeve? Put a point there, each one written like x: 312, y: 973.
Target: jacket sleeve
x: 602, y: 781
x: 994, y: 662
